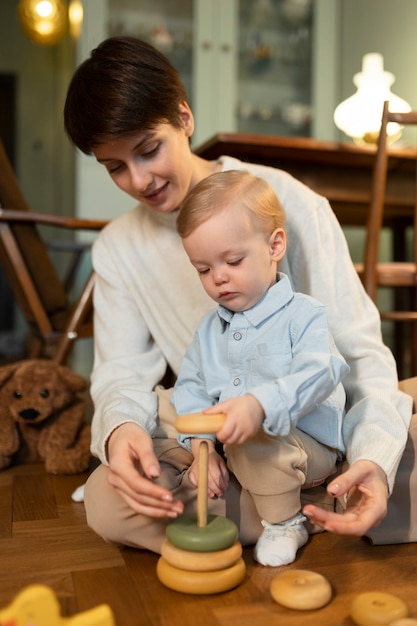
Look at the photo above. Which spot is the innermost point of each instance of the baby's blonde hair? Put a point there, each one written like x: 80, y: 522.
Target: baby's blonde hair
x: 215, y: 192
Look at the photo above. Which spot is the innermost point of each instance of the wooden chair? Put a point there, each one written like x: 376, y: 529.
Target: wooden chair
x: 54, y: 321
x: 399, y: 275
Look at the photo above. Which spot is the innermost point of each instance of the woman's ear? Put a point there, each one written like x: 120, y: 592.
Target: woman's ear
x: 187, y: 118
x: 278, y: 244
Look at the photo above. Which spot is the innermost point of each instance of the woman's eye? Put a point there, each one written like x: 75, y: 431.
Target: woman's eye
x: 151, y: 151
x: 114, y: 169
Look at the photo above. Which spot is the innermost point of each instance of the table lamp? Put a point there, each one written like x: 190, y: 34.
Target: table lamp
x: 359, y: 116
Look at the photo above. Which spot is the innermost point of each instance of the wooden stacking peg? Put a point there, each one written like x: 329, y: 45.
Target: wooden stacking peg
x: 202, y: 484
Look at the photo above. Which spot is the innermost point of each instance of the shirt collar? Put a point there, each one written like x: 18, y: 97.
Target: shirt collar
x: 276, y: 298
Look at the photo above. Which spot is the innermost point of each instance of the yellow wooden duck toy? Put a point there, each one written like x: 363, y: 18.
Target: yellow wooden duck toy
x: 37, y: 605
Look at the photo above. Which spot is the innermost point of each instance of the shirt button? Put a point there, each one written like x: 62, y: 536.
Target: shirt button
x: 237, y: 336
x: 236, y: 382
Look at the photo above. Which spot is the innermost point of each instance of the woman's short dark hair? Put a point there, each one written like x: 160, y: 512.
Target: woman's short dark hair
x: 125, y: 85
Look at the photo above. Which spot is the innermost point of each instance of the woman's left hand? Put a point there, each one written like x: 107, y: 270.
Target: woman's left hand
x: 364, y: 486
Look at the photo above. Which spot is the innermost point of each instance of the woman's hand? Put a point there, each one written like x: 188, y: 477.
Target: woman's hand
x: 364, y: 486
x: 218, y: 476
x: 132, y: 466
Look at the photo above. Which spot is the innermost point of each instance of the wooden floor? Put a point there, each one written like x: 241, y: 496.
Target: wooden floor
x: 44, y: 539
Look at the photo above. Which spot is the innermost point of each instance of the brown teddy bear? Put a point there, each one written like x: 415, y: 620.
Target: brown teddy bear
x: 42, y: 417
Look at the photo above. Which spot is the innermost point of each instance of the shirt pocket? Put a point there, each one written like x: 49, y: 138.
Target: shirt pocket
x: 269, y: 361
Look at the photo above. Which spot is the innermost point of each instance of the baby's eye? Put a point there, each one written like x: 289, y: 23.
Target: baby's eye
x: 203, y: 271
x: 235, y: 262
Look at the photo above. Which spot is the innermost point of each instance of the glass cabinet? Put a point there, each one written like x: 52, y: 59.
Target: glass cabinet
x: 275, y: 67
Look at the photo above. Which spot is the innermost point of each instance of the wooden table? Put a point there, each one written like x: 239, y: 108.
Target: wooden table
x: 342, y: 172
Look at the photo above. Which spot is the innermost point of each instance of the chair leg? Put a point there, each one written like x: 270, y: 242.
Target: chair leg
x: 70, y: 334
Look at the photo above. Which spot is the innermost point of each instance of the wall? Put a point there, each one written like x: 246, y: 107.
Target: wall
x: 44, y: 160
x: 44, y: 157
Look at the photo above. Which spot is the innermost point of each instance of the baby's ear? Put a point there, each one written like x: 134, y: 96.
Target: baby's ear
x: 278, y: 244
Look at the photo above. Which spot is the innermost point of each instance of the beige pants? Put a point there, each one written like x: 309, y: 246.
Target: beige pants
x: 309, y: 462
x: 274, y: 470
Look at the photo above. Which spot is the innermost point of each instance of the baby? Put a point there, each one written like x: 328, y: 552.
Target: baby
x: 264, y: 358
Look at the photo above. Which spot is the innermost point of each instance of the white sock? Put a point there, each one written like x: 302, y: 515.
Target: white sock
x: 279, y: 543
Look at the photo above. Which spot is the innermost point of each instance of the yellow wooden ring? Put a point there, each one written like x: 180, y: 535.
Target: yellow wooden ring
x: 301, y: 589
x: 405, y: 621
x: 218, y: 534
x: 199, y: 423
x: 377, y: 608
x: 198, y: 562
x: 200, y: 583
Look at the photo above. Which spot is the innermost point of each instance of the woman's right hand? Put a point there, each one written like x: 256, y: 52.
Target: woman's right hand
x: 132, y: 468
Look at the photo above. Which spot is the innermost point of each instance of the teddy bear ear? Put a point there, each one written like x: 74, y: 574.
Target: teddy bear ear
x: 7, y: 371
x: 71, y: 379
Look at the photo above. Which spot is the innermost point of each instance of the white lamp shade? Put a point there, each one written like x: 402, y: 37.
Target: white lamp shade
x: 359, y: 116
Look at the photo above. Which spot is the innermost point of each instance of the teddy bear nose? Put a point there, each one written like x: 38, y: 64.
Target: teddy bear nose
x: 29, y: 414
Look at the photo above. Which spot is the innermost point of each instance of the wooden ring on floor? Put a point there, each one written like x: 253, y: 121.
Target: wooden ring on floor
x: 199, y: 423
x: 198, y: 562
x: 301, y: 589
x: 376, y: 608
x: 404, y: 621
x: 218, y: 534
x: 200, y: 583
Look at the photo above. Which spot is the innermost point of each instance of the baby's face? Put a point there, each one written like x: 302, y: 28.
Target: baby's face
x: 236, y: 262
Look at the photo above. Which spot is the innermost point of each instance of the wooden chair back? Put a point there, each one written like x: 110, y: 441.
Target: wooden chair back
x: 400, y: 274
x: 35, y: 283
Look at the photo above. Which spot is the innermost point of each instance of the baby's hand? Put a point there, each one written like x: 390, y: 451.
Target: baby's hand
x: 244, y: 418
x: 218, y: 476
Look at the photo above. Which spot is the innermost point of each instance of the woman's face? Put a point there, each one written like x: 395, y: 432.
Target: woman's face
x: 156, y: 166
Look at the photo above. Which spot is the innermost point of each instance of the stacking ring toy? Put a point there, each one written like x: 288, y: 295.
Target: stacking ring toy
x: 218, y: 534
x: 192, y: 561
x: 200, y: 582
x: 301, y: 589
x: 200, y: 423
x: 377, y: 608
x: 201, y: 553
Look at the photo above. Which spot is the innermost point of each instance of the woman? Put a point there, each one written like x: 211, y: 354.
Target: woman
x: 126, y: 105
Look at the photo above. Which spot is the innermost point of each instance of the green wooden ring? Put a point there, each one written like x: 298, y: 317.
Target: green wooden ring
x: 218, y: 534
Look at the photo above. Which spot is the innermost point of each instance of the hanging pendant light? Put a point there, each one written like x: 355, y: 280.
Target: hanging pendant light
x: 43, y: 21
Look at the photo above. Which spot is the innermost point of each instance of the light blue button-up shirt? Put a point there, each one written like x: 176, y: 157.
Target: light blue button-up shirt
x: 279, y: 351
